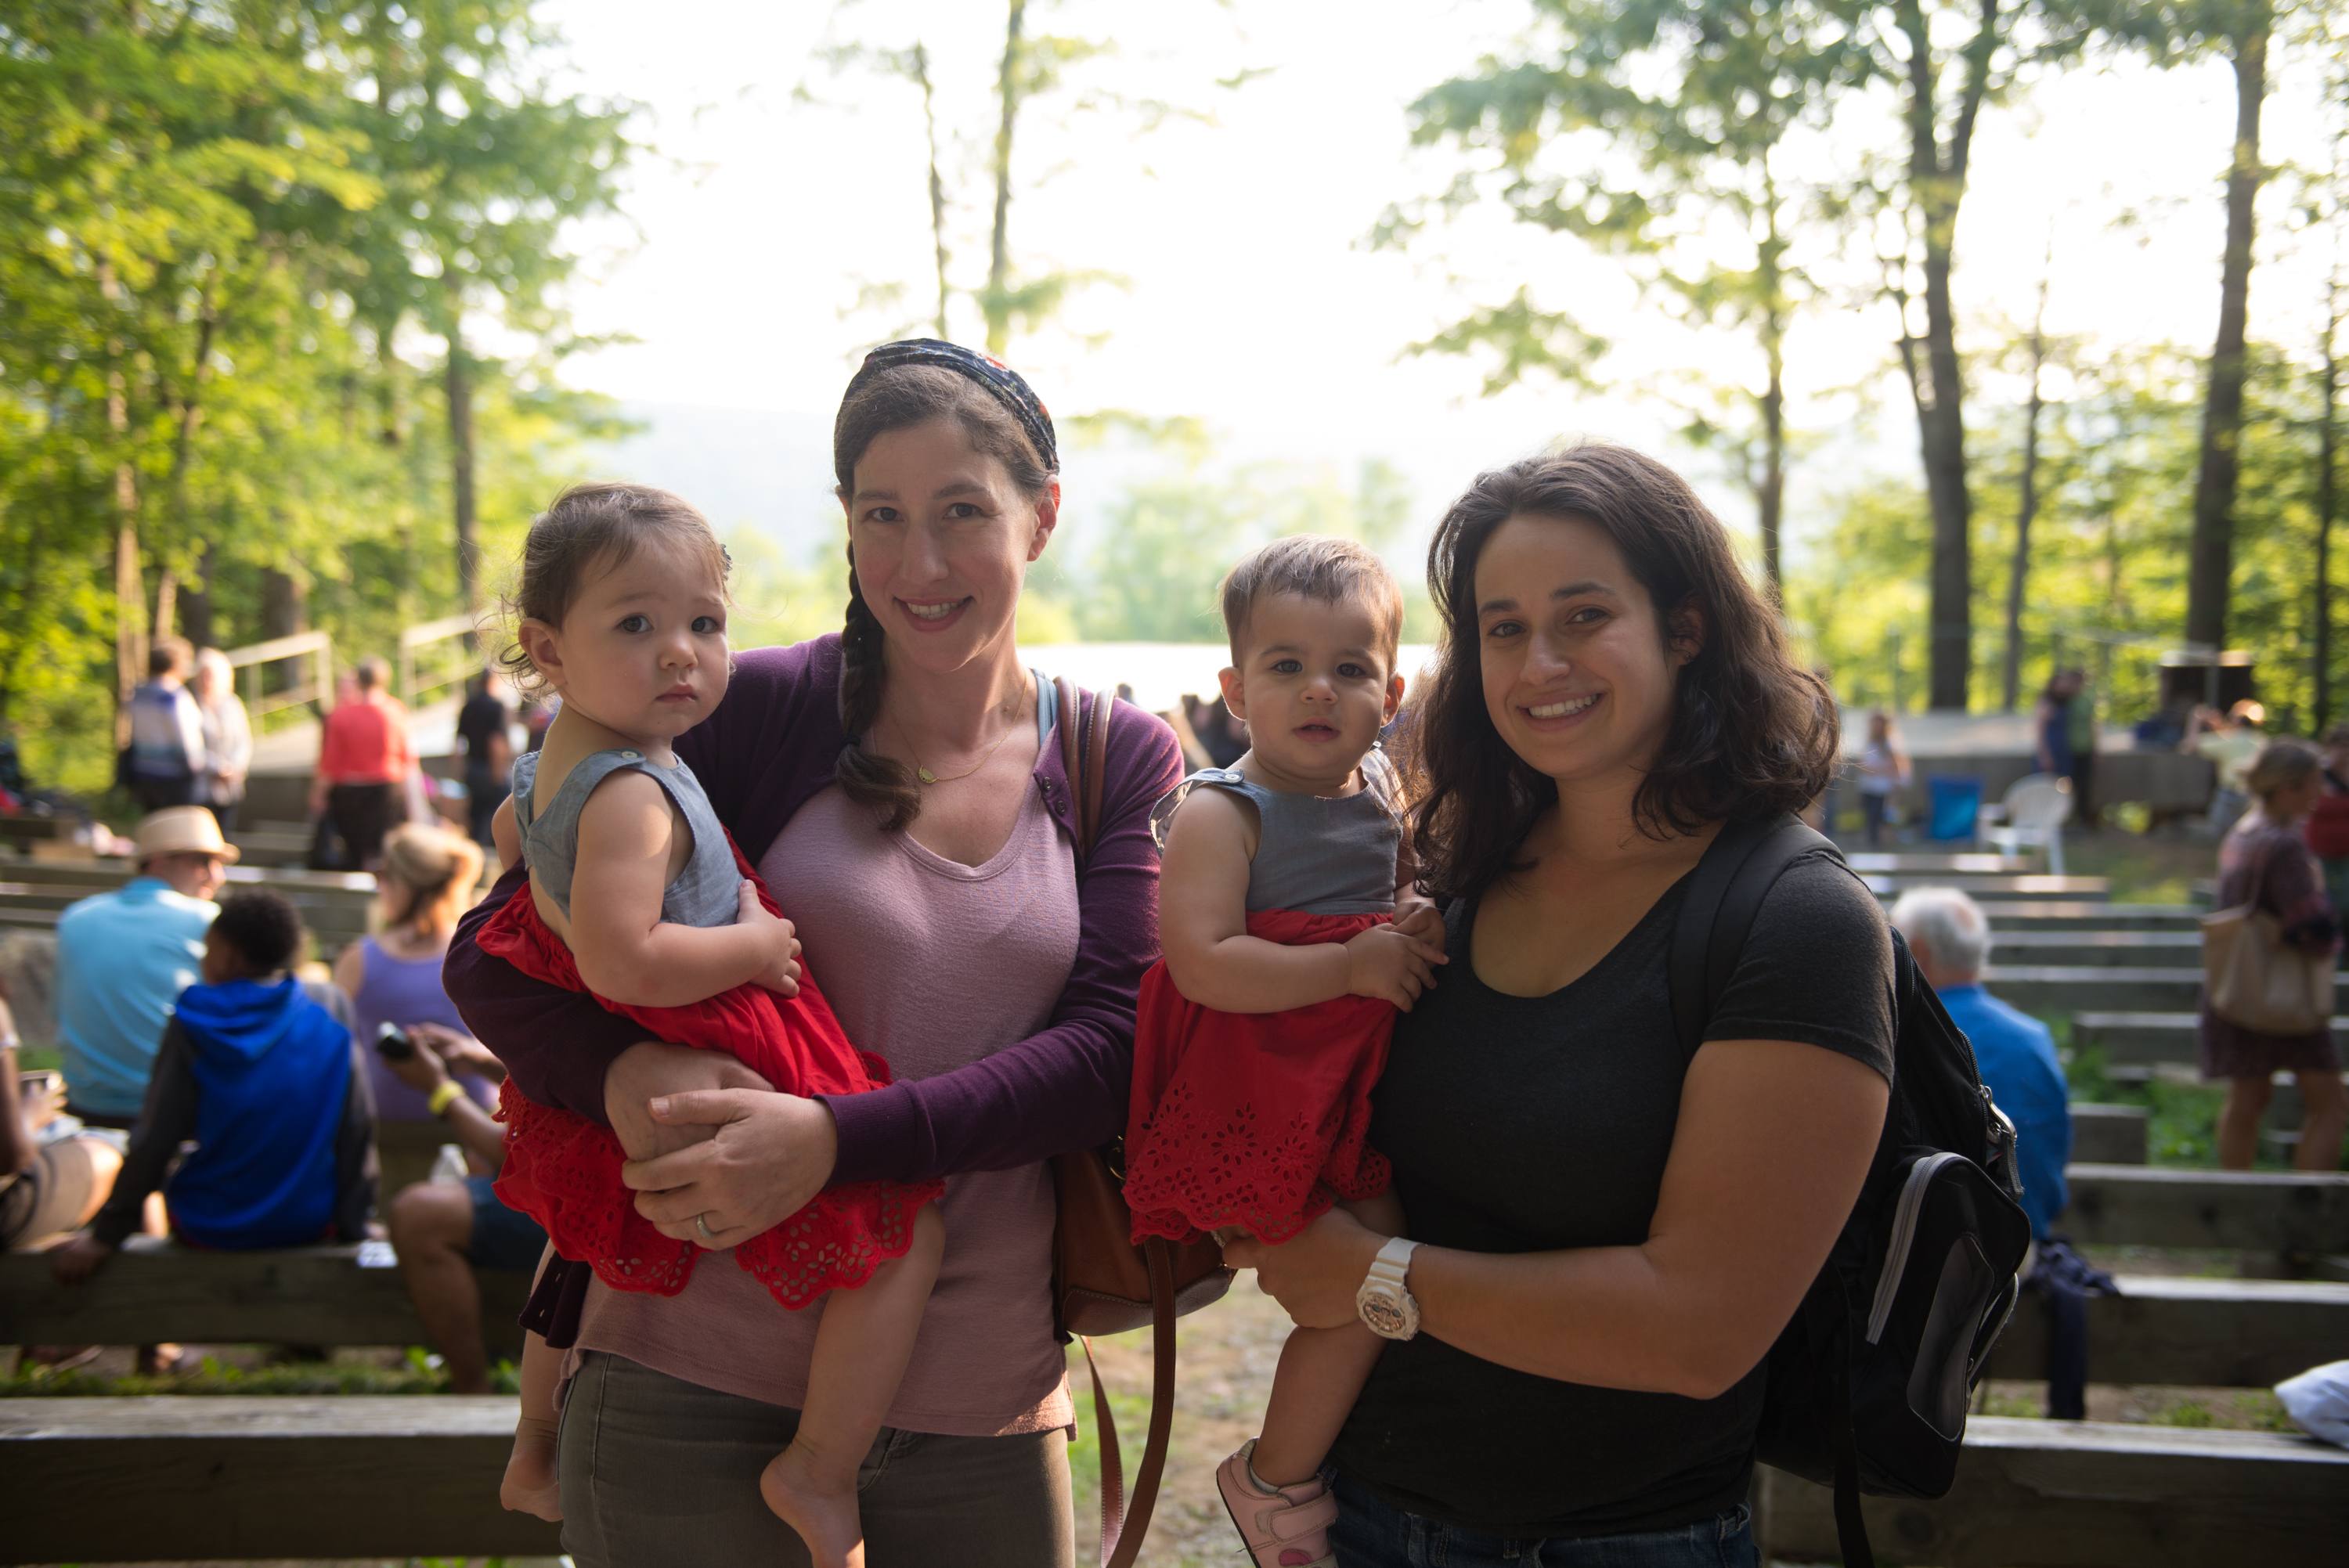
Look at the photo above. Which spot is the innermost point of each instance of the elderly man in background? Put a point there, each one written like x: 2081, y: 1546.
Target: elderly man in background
x: 124, y: 956
x: 1949, y: 937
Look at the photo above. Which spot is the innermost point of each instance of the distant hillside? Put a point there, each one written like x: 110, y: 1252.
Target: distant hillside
x: 744, y: 468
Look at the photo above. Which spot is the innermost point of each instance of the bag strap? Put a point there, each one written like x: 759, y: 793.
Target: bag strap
x: 1725, y: 892
x: 1125, y: 1522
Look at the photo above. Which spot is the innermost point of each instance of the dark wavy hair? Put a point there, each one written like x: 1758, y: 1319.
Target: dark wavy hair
x: 1752, y: 734
x: 899, y: 399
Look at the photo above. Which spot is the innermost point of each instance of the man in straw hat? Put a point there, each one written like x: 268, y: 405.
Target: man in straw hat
x: 124, y: 956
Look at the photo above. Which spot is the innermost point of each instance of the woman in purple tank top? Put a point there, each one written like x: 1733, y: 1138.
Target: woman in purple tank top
x: 934, y: 875
x: 394, y: 976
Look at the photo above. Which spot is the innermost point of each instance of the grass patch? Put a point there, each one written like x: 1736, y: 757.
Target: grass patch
x: 416, y: 1373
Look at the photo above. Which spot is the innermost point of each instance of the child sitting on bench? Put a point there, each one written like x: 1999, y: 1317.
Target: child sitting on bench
x: 260, y: 1070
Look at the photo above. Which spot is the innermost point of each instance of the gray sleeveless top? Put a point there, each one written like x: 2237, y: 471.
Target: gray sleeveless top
x: 707, y: 893
x: 1316, y: 854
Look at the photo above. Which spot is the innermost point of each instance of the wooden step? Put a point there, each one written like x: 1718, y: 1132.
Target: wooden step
x: 2180, y: 950
x: 153, y: 1290
x: 2001, y: 888
x: 2058, y: 914
x: 156, y: 1479
x: 2056, y: 990
x: 2243, y: 1210
x: 1918, y: 862
x: 2190, y: 1333
x: 2108, y: 1134
x: 2083, y: 1494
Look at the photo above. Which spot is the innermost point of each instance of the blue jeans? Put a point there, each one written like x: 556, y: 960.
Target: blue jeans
x: 1370, y: 1534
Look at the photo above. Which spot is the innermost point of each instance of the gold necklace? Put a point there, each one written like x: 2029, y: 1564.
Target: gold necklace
x: 921, y: 770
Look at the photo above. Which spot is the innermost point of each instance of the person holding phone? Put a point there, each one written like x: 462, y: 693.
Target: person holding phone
x: 47, y: 1185
x: 443, y: 1230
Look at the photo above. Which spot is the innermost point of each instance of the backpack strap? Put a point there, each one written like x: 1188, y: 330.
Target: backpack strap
x: 1083, y: 723
x: 1725, y: 892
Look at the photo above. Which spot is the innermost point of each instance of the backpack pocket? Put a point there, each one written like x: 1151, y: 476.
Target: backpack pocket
x: 1943, y: 1286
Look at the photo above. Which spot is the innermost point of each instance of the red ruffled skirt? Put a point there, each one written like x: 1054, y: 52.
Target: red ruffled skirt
x: 1257, y: 1121
x: 564, y: 1171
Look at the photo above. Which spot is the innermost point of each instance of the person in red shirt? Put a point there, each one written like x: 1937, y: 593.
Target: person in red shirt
x: 364, y: 762
x: 2327, y: 827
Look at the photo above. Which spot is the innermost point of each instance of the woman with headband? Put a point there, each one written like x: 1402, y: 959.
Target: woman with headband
x: 899, y: 783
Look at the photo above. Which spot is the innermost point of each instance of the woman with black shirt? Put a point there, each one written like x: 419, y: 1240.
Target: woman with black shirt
x: 1607, y: 1232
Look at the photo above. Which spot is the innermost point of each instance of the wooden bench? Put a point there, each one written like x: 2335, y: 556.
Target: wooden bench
x: 1999, y: 889
x: 2263, y: 1212
x: 98, y: 875
x: 2057, y: 914
x: 169, y: 1479
x: 153, y: 1291
x: 2080, y: 1494
x: 2180, y: 950
x: 2109, y: 1134
x: 2192, y: 1333
x: 1918, y: 863
x: 2051, y: 991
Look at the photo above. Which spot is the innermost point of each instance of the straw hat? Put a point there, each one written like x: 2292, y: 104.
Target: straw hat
x: 180, y: 831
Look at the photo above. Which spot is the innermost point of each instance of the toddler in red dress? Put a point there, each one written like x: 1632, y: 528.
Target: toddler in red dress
x: 1292, y: 936
x: 638, y: 897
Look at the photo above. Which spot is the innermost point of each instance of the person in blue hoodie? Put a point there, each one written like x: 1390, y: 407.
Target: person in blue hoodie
x: 261, y: 1071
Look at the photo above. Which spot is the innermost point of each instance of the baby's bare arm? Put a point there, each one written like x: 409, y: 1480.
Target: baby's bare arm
x: 626, y: 952
x: 1203, y: 926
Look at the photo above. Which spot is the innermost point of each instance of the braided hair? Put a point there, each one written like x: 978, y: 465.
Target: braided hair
x: 897, y: 396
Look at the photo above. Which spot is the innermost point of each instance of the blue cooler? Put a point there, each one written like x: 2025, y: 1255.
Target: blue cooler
x: 1952, y: 808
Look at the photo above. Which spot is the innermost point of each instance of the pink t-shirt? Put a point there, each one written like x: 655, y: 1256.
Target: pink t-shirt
x: 933, y: 965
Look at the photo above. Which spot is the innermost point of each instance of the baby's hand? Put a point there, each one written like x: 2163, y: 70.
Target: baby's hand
x: 1417, y: 917
x: 782, y: 973
x: 1391, y: 965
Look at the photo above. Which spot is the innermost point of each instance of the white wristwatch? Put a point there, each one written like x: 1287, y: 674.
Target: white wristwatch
x: 1385, y: 1301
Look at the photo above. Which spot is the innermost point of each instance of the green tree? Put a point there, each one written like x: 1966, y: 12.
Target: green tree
x: 489, y: 167
x: 1649, y: 129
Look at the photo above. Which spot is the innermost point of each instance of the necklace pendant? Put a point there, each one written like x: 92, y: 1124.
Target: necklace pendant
x: 925, y: 776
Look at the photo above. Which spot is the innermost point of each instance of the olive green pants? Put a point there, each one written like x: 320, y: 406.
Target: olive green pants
x: 657, y: 1470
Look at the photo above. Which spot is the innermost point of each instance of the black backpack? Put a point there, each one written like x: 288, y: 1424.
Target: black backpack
x: 1868, y: 1385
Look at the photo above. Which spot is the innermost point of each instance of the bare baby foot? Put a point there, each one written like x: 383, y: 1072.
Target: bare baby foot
x: 529, y: 1486
x: 822, y: 1509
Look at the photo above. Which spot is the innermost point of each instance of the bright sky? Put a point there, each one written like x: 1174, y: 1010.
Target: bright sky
x: 1253, y: 300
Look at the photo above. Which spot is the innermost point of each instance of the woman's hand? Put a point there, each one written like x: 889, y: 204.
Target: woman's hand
x: 422, y: 1069
x: 642, y: 1073
x: 769, y: 1155
x: 460, y: 1053
x: 1315, y: 1273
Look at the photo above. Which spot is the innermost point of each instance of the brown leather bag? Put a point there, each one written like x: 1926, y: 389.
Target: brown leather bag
x: 1103, y: 1282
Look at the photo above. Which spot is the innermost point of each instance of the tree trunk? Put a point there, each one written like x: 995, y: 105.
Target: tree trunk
x: 460, y: 460
x: 130, y: 589
x: 1770, y: 495
x: 1937, y: 182
x: 196, y: 601
x: 2327, y: 502
x: 2026, y: 508
x: 285, y: 604
x: 938, y: 181
x: 2211, y: 557
x: 997, y: 304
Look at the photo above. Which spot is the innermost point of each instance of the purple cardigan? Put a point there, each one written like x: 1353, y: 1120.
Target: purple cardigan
x: 765, y: 752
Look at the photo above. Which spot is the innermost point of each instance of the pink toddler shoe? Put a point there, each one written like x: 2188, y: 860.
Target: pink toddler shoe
x: 1286, y: 1527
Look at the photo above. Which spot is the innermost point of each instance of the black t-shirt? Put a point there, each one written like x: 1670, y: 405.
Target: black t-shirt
x: 482, y: 719
x: 1524, y: 1124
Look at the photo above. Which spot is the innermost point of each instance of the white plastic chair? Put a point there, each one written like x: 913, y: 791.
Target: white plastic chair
x: 2032, y: 814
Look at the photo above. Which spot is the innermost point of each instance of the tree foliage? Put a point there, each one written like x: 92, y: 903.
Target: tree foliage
x: 215, y: 216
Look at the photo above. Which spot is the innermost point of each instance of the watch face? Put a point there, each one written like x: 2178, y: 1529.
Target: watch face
x: 1384, y: 1314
